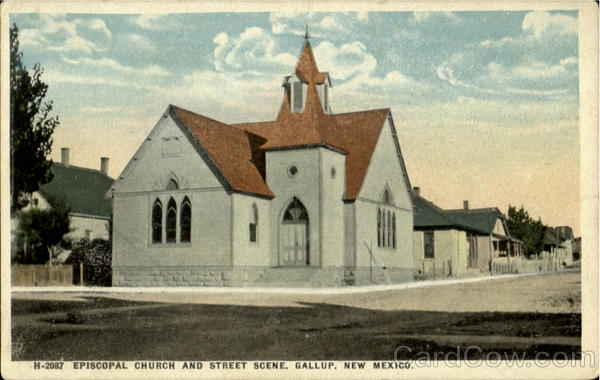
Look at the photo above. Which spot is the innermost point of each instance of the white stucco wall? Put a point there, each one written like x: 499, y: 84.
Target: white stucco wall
x: 305, y: 186
x: 150, y: 170
x: 450, y: 250
x: 245, y: 252
x: 144, y: 181
x: 384, y: 172
x: 93, y: 228
x: 332, y: 206
x: 384, y: 168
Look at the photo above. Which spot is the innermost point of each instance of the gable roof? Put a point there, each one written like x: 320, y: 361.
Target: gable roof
x: 82, y: 189
x: 482, y: 219
x: 354, y: 133
x: 430, y: 215
x: 231, y: 152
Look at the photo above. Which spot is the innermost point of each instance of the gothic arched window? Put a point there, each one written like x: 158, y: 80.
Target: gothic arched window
x: 157, y: 222
x: 379, y: 227
x: 185, y: 223
x: 172, y: 185
x: 394, y: 230
x: 389, y: 230
x: 171, y: 227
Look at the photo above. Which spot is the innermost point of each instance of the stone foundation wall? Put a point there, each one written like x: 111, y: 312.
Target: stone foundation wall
x: 300, y: 277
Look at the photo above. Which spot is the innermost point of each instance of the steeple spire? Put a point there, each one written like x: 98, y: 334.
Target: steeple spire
x: 306, y: 35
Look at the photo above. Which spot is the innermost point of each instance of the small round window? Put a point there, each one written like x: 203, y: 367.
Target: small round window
x: 292, y: 171
x: 332, y: 172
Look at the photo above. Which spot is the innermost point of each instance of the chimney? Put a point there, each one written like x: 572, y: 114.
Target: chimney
x: 466, y: 204
x: 417, y: 191
x: 104, y: 165
x: 64, y: 156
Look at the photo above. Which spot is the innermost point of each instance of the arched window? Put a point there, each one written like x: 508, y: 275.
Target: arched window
x: 386, y: 197
x: 379, y: 227
x: 389, y: 230
x: 384, y: 228
x: 394, y: 230
x: 253, y: 223
x: 172, y: 185
x: 157, y: 222
x: 185, y: 223
x: 171, y: 221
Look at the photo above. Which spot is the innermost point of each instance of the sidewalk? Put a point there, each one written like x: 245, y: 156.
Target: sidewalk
x: 265, y: 290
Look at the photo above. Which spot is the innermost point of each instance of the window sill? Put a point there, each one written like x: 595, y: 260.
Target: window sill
x: 170, y: 245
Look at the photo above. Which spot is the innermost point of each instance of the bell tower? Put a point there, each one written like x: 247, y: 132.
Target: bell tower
x: 306, y: 86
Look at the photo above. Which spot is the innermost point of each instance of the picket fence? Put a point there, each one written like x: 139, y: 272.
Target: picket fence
x: 520, y: 265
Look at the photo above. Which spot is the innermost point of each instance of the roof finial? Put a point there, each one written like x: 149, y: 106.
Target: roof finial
x: 306, y: 36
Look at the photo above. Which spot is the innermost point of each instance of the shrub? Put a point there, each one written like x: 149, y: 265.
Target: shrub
x: 96, y: 257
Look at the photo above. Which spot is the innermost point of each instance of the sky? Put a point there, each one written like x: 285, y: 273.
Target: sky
x: 485, y: 103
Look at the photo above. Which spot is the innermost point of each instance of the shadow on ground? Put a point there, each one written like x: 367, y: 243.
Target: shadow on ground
x: 111, y: 329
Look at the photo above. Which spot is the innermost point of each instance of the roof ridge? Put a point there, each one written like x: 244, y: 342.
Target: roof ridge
x: 482, y: 209
x: 209, y: 118
x: 363, y: 111
x: 97, y: 171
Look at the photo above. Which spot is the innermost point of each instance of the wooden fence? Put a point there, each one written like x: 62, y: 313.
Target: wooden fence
x: 43, y: 275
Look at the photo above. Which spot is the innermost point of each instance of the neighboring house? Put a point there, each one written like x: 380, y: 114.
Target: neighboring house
x: 311, y: 198
x: 558, y: 243
x: 577, y: 249
x: 456, y: 243
x: 82, y: 190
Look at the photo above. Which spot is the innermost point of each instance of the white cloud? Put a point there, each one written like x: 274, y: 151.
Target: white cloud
x: 65, y: 36
x: 536, y: 70
x: 70, y: 61
x: 542, y: 24
x: 347, y: 60
x: 498, y: 74
x: 420, y: 17
x: 569, y: 61
x: 75, y: 43
x: 112, y: 64
x: 254, y: 50
x: 150, y: 21
x: 31, y: 37
x: 99, y: 25
x: 329, y: 25
x: 55, y: 76
x: 139, y: 41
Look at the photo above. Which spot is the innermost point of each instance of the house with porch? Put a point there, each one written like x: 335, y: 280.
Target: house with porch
x: 311, y: 199
x: 459, y: 243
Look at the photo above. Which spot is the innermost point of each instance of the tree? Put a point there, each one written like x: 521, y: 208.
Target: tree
x: 524, y: 227
x: 40, y: 231
x: 31, y: 127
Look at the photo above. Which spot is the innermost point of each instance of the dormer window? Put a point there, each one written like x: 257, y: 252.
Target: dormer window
x: 323, y: 91
x: 297, y: 101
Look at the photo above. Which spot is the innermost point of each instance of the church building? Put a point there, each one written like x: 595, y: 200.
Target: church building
x: 310, y: 199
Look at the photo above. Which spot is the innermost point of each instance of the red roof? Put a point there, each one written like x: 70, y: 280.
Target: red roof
x: 238, y: 149
x: 234, y: 152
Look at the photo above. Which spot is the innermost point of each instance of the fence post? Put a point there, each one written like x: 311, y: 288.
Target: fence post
x: 80, y: 274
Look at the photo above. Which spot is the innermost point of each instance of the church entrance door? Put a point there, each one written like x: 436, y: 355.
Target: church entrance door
x: 293, y: 236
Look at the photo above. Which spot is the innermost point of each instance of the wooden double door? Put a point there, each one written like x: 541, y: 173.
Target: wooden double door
x: 294, y: 236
